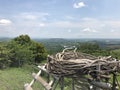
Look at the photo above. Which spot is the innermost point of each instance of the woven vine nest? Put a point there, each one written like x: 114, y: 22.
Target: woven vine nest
x: 73, y: 63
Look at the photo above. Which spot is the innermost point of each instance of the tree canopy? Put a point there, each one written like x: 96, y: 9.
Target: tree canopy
x: 22, y: 50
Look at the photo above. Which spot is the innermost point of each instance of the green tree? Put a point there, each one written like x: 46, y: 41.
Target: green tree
x: 4, y: 57
x: 115, y: 53
x: 23, y: 40
x: 89, y: 47
x: 24, y: 50
x: 39, y: 52
x: 20, y: 54
x: 93, y: 49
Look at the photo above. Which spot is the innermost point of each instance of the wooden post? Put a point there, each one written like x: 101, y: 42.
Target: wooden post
x: 114, y: 81
x: 73, y: 84
x: 51, y: 83
x: 98, y: 76
x: 48, y: 78
x: 62, y: 83
x: 57, y: 81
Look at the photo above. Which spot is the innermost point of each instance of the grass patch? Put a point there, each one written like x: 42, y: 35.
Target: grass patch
x: 15, y: 78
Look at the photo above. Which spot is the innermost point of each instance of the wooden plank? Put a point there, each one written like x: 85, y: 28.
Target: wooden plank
x: 42, y: 81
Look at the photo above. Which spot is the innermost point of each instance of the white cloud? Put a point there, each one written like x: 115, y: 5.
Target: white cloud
x: 113, y: 23
x: 79, y: 5
x: 32, y: 16
x: 64, y: 24
x: 42, y: 24
x: 5, y: 22
x: 85, y: 27
x: 89, y: 19
x: 69, y: 17
x: 89, y: 30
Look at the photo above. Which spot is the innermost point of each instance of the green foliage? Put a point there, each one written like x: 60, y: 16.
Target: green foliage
x: 4, y: 56
x: 22, y: 40
x: 89, y: 47
x: 115, y: 53
x: 93, y: 49
x: 102, y: 52
x: 23, y: 50
x: 56, y: 45
x: 20, y: 54
x: 39, y: 52
x: 53, y: 47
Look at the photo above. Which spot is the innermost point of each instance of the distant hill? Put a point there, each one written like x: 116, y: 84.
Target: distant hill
x: 51, y: 43
x: 4, y: 39
x: 103, y: 43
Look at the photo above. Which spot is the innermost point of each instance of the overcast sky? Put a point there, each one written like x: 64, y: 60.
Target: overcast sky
x: 60, y: 18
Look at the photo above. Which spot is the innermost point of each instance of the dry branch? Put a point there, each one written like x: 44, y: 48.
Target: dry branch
x: 74, y: 63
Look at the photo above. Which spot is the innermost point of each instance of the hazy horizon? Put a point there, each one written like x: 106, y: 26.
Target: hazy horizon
x: 65, y: 38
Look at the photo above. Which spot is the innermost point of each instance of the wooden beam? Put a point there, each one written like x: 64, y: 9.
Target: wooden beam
x: 31, y: 83
x: 42, y: 81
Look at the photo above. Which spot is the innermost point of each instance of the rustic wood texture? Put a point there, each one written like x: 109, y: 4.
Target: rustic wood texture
x: 74, y: 64
x: 77, y: 65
